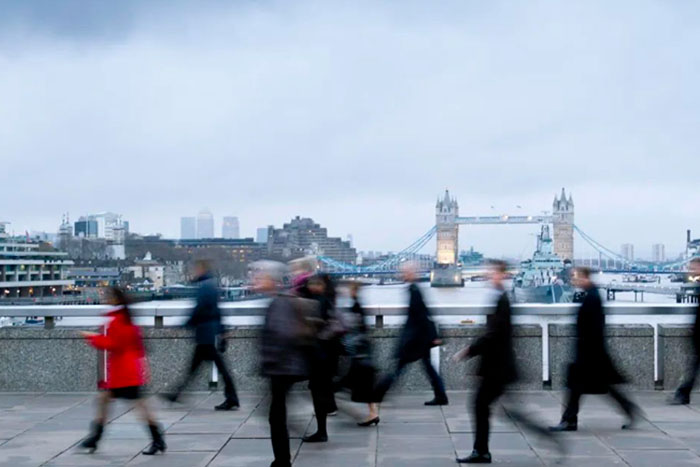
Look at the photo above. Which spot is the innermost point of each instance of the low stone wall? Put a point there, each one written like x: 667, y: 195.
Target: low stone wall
x: 37, y: 359
x: 675, y: 353
x: 631, y: 347
x: 527, y: 343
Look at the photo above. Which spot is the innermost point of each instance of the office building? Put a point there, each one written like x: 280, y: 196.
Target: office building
x: 658, y: 252
x: 188, y: 228
x: 205, y: 224
x: 627, y: 251
x: 230, y: 227
x: 261, y: 235
x: 302, y: 236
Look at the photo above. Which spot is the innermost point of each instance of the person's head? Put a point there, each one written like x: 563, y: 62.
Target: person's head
x: 303, y: 266
x: 498, y: 270
x: 267, y: 276
x: 118, y: 298
x: 316, y: 285
x: 408, y: 271
x: 694, y: 267
x: 201, y: 268
x: 582, y: 277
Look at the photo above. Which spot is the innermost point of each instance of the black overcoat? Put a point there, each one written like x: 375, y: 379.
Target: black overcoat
x: 592, y: 370
x: 419, y: 332
x: 495, y: 346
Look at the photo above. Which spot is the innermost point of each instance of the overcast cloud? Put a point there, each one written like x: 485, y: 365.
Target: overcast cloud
x: 357, y: 114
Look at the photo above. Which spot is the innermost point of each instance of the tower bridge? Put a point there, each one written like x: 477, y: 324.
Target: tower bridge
x: 448, y: 220
x: 446, y: 271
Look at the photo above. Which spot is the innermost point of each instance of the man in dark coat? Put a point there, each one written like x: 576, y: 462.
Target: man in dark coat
x: 205, y: 319
x: 418, y: 336
x: 682, y: 394
x: 286, y: 340
x: 592, y: 371
x: 497, y: 365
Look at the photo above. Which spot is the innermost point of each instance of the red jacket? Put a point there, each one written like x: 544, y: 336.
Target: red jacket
x: 126, y: 358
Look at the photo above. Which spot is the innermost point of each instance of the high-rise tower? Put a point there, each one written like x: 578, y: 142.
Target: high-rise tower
x: 446, y: 212
x: 563, y: 226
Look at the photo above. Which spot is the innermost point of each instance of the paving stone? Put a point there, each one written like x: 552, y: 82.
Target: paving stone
x: 655, y: 458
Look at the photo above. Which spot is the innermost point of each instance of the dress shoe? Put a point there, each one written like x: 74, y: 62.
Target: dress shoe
x: 370, y: 422
x: 564, y: 426
x: 227, y: 405
x: 315, y: 438
x: 438, y: 401
x: 475, y: 458
x: 679, y: 399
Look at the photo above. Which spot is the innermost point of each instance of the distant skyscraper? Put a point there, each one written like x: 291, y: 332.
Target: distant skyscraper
x: 261, y: 235
x: 658, y: 252
x: 188, y: 228
x: 230, y: 228
x: 627, y: 251
x: 205, y: 224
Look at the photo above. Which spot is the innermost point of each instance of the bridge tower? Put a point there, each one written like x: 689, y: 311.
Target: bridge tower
x: 563, y: 226
x: 446, y: 213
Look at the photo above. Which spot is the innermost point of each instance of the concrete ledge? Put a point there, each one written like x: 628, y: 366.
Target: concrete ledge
x: 34, y: 359
x: 675, y: 353
x: 631, y: 347
x: 527, y: 341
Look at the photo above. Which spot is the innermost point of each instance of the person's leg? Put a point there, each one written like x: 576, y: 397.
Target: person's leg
x: 573, y: 401
x: 435, y: 382
x: 97, y: 425
x: 485, y: 396
x: 629, y: 407
x: 319, y: 396
x: 387, y: 381
x: 279, y: 386
x: 229, y: 387
x: 158, y: 443
x: 682, y: 395
x: 197, y: 358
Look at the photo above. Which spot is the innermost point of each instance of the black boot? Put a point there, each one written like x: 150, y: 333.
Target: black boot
x: 438, y: 401
x: 317, y: 437
x: 90, y: 443
x: 158, y: 443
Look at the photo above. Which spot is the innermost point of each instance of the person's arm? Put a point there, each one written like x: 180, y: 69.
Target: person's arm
x: 113, y: 340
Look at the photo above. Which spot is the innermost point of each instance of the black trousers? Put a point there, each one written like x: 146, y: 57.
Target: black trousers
x: 570, y: 415
x: 688, y: 383
x: 279, y: 435
x: 209, y: 353
x: 435, y: 380
x: 486, y: 395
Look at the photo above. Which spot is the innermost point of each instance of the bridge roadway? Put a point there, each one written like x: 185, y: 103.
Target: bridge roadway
x: 44, y: 430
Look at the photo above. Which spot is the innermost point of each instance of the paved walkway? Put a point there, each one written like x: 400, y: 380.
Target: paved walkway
x: 44, y: 429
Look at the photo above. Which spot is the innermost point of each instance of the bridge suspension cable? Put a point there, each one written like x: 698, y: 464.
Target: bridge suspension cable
x: 388, y: 264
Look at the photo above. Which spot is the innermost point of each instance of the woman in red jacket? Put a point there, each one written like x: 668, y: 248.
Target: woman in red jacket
x: 127, y: 371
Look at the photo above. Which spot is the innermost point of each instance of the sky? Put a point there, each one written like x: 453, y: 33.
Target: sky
x: 357, y: 114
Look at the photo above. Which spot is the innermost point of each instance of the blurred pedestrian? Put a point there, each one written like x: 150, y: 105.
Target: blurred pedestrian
x: 418, y: 336
x: 497, y: 367
x: 288, y: 336
x: 592, y: 371
x: 323, y: 359
x: 205, y: 319
x: 682, y: 394
x: 361, y: 375
x: 127, y: 371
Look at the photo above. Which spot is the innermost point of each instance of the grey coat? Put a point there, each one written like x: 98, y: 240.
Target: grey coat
x: 285, y: 345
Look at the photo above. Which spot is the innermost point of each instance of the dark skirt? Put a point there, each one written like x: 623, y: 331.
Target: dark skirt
x: 129, y: 393
x: 361, y: 380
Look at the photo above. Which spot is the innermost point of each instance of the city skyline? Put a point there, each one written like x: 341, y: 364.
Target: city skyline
x: 359, y: 126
